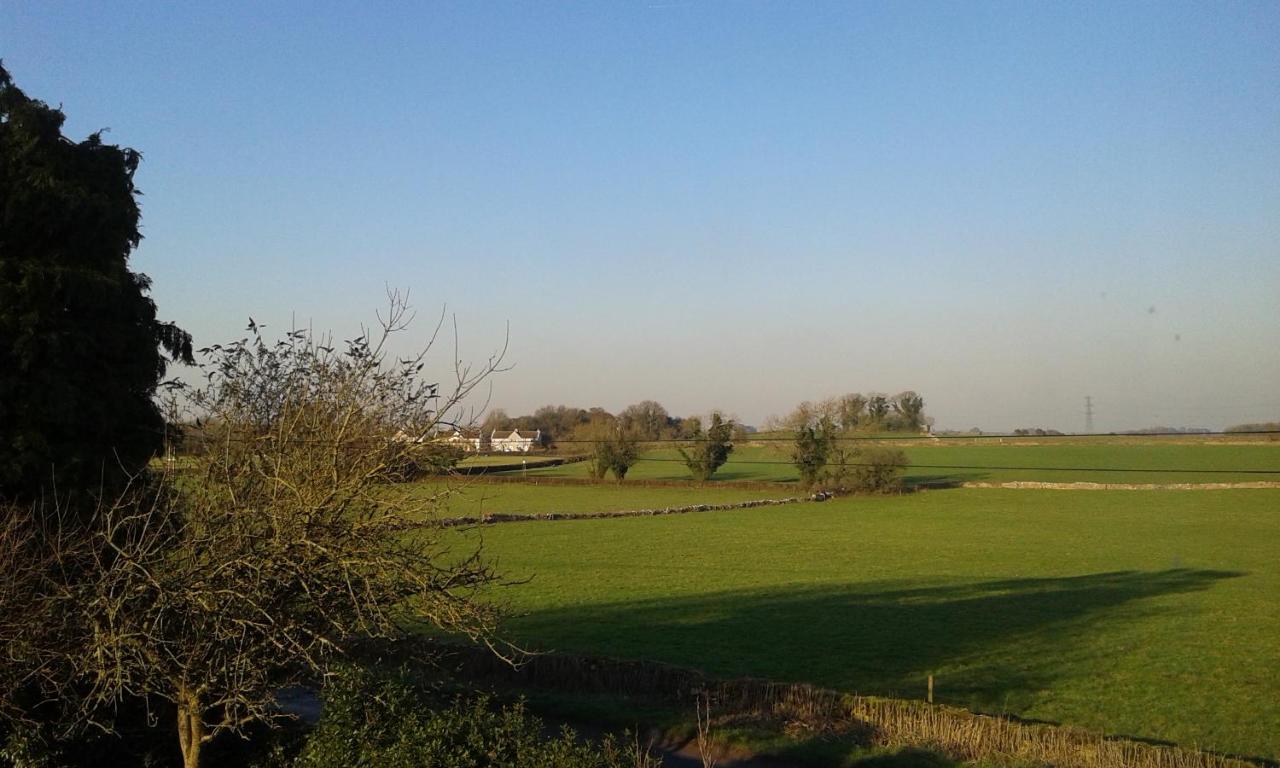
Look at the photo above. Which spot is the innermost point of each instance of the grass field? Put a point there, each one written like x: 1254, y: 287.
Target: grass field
x: 476, y: 498
x: 1050, y: 462
x: 504, y: 459
x: 1150, y: 614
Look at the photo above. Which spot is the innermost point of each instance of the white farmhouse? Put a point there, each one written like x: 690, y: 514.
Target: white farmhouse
x: 496, y: 441
x: 474, y: 441
x: 517, y: 441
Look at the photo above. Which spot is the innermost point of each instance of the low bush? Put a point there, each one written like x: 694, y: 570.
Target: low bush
x: 388, y: 722
x: 426, y: 459
x: 873, y: 469
x: 878, y: 470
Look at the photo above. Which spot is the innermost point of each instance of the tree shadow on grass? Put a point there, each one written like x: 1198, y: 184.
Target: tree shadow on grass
x: 1000, y: 640
x: 951, y: 480
x: 747, y: 472
x: 905, y: 758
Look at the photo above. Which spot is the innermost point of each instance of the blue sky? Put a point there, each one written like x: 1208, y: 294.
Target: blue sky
x: 1003, y: 206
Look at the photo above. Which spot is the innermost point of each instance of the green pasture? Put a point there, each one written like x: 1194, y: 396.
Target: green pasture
x: 745, y: 463
x: 477, y: 498
x: 1150, y: 614
x: 1098, y: 462
x: 504, y: 459
x: 1129, y: 462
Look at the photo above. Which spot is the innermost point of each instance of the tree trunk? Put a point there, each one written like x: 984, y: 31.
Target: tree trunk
x: 190, y: 728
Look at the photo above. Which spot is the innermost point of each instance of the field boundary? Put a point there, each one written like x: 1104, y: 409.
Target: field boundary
x: 958, y: 733
x: 1087, y: 486
x: 504, y: 517
x: 750, y: 485
x: 540, y: 462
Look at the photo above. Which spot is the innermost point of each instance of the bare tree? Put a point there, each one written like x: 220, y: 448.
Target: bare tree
x: 706, y: 744
x: 852, y: 408
x: 37, y: 549
x: 877, y: 410
x: 647, y: 420
x: 496, y: 418
x: 214, y: 589
x: 804, y: 415
x: 909, y: 407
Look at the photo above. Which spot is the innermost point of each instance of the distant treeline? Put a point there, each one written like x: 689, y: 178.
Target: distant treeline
x: 645, y: 420
x: 1261, y: 426
x: 1168, y: 431
x: 870, y: 412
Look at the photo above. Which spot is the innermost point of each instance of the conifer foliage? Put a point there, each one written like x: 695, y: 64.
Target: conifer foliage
x: 80, y: 346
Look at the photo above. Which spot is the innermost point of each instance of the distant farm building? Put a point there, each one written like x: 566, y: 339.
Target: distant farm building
x: 518, y: 441
x: 498, y: 441
x: 469, y: 440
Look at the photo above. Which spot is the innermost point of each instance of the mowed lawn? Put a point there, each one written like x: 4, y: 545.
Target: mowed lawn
x: 1151, y: 613
x: 477, y: 498
x: 1147, y: 462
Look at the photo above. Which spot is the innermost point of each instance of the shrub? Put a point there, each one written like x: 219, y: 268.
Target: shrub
x: 424, y: 459
x: 612, y: 450
x: 812, y: 449
x: 710, y: 450
x: 388, y: 722
x: 877, y: 470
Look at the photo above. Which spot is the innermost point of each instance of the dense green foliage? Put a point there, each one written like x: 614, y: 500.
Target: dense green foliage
x: 866, y: 469
x: 79, y: 339
x: 812, y: 450
x: 568, y: 426
x: 1142, y: 613
x: 856, y: 412
x: 614, y: 450
x: 710, y: 450
x: 389, y: 723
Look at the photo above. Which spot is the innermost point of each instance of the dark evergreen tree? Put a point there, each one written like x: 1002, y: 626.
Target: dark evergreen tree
x: 711, y: 450
x: 813, y: 447
x: 80, y: 346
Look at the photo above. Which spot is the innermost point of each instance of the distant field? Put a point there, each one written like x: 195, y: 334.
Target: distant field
x: 990, y: 461
x: 490, y: 460
x: 1103, y: 463
x: 1149, y: 614
x: 665, y: 464
x: 477, y: 498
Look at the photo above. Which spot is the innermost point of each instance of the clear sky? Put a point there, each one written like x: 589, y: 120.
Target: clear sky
x: 739, y: 205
